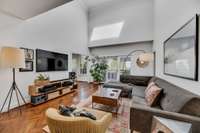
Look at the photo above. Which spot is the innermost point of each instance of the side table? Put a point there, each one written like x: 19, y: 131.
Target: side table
x: 163, y: 125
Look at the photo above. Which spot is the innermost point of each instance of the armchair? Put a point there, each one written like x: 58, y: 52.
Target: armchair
x: 63, y: 124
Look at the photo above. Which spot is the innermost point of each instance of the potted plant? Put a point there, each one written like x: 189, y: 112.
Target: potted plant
x: 98, y: 68
x: 41, y: 80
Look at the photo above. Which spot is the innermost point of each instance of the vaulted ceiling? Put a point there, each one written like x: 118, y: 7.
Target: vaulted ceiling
x: 25, y: 9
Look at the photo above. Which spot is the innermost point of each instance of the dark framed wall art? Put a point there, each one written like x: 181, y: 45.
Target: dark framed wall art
x: 29, y: 67
x: 29, y: 60
x: 181, y: 51
x: 29, y: 53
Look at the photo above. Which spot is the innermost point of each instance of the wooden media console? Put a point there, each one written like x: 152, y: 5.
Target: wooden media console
x: 51, y: 90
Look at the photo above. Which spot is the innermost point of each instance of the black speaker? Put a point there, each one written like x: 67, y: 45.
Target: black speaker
x: 38, y: 99
x: 72, y: 75
x: 49, y: 87
x: 67, y: 83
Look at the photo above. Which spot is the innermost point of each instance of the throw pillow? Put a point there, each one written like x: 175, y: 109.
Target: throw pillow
x: 72, y: 111
x: 85, y: 113
x: 65, y: 110
x: 149, y: 86
x: 152, y: 95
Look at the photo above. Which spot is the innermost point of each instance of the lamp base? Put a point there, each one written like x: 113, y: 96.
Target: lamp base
x: 10, y: 94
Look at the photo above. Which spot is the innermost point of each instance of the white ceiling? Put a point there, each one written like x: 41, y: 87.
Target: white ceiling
x: 25, y: 9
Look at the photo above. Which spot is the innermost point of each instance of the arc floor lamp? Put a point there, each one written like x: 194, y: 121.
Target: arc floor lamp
x: 142, y: 61
x: 13, y: 58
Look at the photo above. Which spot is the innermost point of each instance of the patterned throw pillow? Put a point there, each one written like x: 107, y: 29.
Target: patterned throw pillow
x: 152, y: 94
x: 149, y: 86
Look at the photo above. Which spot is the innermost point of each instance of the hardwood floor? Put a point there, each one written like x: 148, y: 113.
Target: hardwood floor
x: 32, y: 119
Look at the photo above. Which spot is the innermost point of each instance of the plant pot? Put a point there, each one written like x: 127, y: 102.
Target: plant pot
x: 41, y: 82
x: 96, y: 82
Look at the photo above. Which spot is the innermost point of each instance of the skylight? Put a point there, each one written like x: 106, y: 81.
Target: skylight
x: 107, y: 31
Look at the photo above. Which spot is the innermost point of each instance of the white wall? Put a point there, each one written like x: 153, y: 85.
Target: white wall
x: 7, y: 20
x: 63, y: 29
x: 170, y: 15
x: 123, y: 50
x: 137, y: 16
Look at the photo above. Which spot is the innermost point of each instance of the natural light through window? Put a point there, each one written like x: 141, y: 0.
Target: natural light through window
x: 107, y: 31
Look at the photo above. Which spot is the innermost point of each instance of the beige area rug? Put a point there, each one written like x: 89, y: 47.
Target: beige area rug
x: 119, y: 124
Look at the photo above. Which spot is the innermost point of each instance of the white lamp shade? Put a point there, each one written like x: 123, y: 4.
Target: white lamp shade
x: 146, y: 57
x: 11, y: 57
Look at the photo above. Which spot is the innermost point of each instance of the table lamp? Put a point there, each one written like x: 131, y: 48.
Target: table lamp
x: 12, y: 58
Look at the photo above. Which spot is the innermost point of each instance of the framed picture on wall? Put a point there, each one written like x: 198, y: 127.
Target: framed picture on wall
x: 29, y: 60
x: 28, y: 67
x: 29, y: 53
x: 181, y: 51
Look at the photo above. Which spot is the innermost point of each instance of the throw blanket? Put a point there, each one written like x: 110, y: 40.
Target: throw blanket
x: 72, y: 111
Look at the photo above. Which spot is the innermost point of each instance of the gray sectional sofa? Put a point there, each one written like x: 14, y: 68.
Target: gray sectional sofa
x: 174, y: 103
x: 127, y: 83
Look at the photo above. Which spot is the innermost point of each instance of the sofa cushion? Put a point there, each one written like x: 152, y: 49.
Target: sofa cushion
x: 152, y: 95
x: 118, y: 85
x: 192, y: 107
x: 126, y: 89
x: 136, y: 80
x: 174, y: 97
x: 138, y: 91
x: 153, y: 79
x: 139, y: 100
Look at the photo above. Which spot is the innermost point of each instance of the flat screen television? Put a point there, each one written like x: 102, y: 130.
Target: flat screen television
x: 50, y: 61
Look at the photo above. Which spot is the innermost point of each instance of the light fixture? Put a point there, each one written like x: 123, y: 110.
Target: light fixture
x: 11, y: 57
x: 146, y: 57
x: 142, y: 61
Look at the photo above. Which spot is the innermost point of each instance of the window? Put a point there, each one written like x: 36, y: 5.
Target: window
x: 117, y: 65
x: 107, y: 31
x: 125, y: 65
x: 112, y: 63
x: 83, y: 65
x: 112, y: 72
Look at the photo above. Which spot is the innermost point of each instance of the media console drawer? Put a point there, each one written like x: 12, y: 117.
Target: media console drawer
x: 65, y: 91
x: 53, y: 95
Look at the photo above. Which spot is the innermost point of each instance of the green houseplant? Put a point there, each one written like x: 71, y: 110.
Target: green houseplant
x: 41, y: 79
x: 98, y: 68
